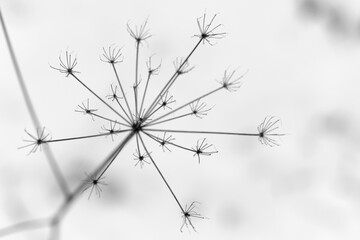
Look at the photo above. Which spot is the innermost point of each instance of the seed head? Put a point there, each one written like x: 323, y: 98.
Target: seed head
x: 67, y: 65
x: 229, y: 83
x: 152, y: 70
x: 182, y: 67
x: 266, y: 131
x: 36, y: 141
x: 113, y: 96
x: 139, y: 34
x: 202, y: 148
x: 189, y: 212
x: 112, y: 55
x: 93, y: 183
x: 208, y: 30
x: 140, y: 158
x: 85, y: 109
x: 166, y: 100
x: 113, y: 129
x: 199, y: 109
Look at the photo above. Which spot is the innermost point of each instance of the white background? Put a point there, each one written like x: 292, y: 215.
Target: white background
x: 303, y: 68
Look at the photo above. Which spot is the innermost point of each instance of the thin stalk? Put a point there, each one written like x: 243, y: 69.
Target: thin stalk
x: 122, y: 108
x: 105, y: 118
x: 137, y: 143
x: 209, y: 132
x: 174, y: 144
x: 170, y: 119
x: 162, y: 176
x: 123, y: 93
x: 48, y: 153
x: 84, y: 137
x: 73, y: 75
x: 181, y: 107
x: 170, y: 82
x: 145, y: 90
x: 26, y: 225
x: 100, y: 170
x: 154, y: 113
x: 136, y: 77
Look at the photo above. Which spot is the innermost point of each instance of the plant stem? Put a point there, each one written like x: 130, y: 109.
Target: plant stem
x: 88, y: 136
x: 136, y: 78
x: 162, y: 176
x: 48, y: 153
x: 170, y: 82
x: 99, y: 171
x: 181, y: 107
x: 122, y: 91
x: 207, y: 132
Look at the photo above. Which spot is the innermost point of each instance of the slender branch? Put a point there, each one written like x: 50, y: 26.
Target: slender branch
x: 209, y: 132
x: 154, y: 112
x: 122, y: 108
x: 122, y: 91
x: 26, y: 225
x: 48, y: 153
x: 174, y: 144
x: 162, y: 176
x: 83, y: 137
x: 145, y: 90
x: 181, y: 107
x: 170, y: 82
x: 137, y: 143
x: 170, y: 119
x: 112, y: 157
x: 105, y: 118
x: 136, y: 77
x: 100, y: 170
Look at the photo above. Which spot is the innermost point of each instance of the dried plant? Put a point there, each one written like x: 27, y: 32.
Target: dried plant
x: 138, y: 121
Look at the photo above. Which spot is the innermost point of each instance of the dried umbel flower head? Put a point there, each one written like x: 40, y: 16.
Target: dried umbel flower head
x: 141, y: 120
x: 189, y: 213
x: 93, y: 183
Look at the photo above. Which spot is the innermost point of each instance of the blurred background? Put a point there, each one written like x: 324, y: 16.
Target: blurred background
x: 303, y: 60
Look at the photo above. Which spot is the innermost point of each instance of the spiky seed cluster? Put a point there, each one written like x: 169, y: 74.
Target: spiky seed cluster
x: 67, y: 66
x: 152, y: 70
x: 208, y: 31
x: 188, y: 214
x: 113, y: 129
x: 114, y: 95
x: 138, y: 120
x: 182, y: 66
x: 93, y: 183
x: 139, y: 34
x: 199, y: 109
x: 140, y: 158
x: 165, y: 141
x: 231, y: 83
x: 36, y: 142
x: 86, y: 110
x: 266, y: 131
x: 112, y: 55
x: 166, y: 100
x: 203, y: 148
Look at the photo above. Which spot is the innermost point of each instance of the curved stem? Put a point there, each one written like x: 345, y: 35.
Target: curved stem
x: 26, y: 225
x: 48, y: 153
